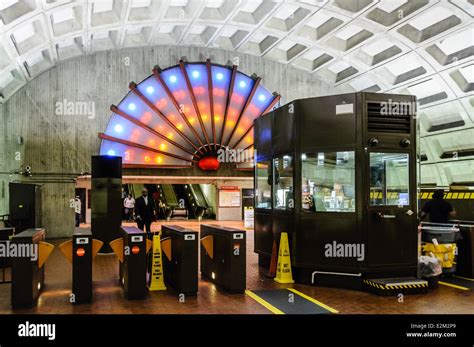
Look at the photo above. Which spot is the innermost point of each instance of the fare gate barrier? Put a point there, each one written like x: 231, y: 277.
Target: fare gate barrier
x: 180, y: 249
x: 6, y: 234
x: 223, y: 257
x: 28, y: 267
x: 131, y: 250
x: 80, y: 252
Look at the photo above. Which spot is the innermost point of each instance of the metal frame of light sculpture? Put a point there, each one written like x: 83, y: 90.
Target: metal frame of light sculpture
x: 187, y: 112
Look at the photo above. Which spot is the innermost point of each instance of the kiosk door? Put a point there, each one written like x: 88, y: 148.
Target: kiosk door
x: 392, y: 237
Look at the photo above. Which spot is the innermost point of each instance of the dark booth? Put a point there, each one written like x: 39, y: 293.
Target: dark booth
x: 25, y: 206
x: 338, y: 174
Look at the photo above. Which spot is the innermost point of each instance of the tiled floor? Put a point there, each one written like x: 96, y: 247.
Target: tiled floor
x: 108, y: 297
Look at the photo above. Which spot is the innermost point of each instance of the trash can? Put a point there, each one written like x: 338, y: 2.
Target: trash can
x: 449, y: 234
x: 440, y: 242
x: 429, y: 269
x: 445, y: 253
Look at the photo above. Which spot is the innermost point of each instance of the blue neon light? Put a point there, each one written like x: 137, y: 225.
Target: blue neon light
x: 118, y: 128
x: 111, y: 152
x: 132, y: 107
x: 173, y: 79
x: 242, y: 84
x: 219, y: 76
x: 261, y: 97
x: 195, y: 74
x: 150, y: 90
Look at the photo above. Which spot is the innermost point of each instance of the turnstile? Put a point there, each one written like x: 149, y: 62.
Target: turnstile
x: 80, y: 251
x: 131, y: 249
x: 223, y: 257
x: 28, y: 267
x: 6, y: 234
x: 82, y: 265
x: 180, y: 261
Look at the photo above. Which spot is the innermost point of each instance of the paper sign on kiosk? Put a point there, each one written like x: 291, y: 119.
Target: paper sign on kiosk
x: 343, y: 109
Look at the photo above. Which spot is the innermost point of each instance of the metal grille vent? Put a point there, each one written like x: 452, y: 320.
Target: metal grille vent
x: 389, y: 117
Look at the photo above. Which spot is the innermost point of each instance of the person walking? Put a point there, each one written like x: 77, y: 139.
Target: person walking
x: 129, y: 204
x: 144, y: 211
x: 78, y: 210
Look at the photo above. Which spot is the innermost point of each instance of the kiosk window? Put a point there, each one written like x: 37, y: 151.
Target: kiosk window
x: 389, y: 179
x: 283, y: 180
x: 263, y: 188
x: 328, y: 182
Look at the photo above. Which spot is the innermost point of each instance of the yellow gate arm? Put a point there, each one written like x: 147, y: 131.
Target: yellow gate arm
x: 149, y: 245
x: 96, y: 246
x: 117, y: 247
x: 44, y: 251
x: 166, y: 247
x: 66, y: 250
x: 208, y: 244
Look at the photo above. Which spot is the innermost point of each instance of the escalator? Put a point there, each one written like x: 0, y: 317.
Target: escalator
x: 172, y: 201
x: 185, y: 200
x: 169, y: 195
x: 193, y: 198
x: 201, y: 201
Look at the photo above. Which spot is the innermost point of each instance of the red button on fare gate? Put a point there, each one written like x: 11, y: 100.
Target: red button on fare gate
x: 135, y: 249
x: 80, y: 252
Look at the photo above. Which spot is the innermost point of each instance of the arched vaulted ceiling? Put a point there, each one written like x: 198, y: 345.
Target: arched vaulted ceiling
x: 419, y: 47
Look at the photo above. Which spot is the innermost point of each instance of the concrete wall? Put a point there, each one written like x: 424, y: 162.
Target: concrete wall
x: 58, y: 146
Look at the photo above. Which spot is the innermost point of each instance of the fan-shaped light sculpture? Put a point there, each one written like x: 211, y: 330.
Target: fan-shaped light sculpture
x: 183, y: 115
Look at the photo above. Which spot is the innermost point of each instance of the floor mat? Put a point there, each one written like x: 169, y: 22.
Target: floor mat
x: 289, y: 301
x: 462, y: 283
